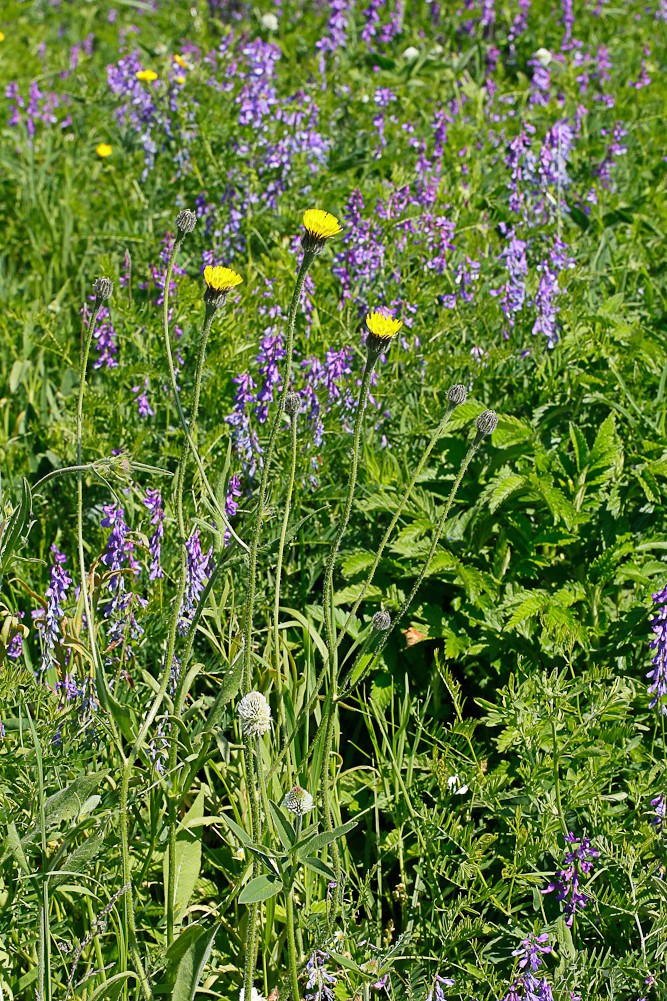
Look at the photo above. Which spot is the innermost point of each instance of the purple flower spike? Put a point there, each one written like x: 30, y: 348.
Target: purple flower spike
x: 199, y: 570
x: 576, y: 864
x: 55, y: 594
x: 153, y: 501
x: 658, y: 675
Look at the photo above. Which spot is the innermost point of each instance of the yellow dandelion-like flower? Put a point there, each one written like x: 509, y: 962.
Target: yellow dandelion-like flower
x: 221, y: 279
x: 179, y: 79
x: 182, y: 62
x: 2, y: 36
x: 384, y: 327
x: 321, y: 225
x: 146, y: 76
x: 104, y: 150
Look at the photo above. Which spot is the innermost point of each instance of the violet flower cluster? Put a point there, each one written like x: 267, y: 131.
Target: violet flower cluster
x: 321, y: 984
x: 658, y: 674
x: 198, y: 571
x: 566, y: 884
x: 118, y: 556
x: 153, y: 502
x: 527, y: 986
x: 56, y: 594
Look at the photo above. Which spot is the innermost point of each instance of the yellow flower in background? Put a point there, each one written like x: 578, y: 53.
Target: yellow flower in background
x: 220, y: 279
x: 2, y: 36
x: 319, y: 224
x: 146, y: 76
x: 104, y: 150
x: 383, y: 327
x: 179, y: 79
x: 182, y: 62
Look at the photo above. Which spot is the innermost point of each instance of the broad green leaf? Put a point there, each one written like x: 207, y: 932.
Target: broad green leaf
x: 77, y: 861
x: 112, y: 989
x: 16, y: 848
x: 259, y: 888
x: 244, y: 838
x: 186, y: 961
x: 282, y: 825
x: 320, y: 867
x: 15, y: 526
x: 320, y: 840
x: 188, y: 859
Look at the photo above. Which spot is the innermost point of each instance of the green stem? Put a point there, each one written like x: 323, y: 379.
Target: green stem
x: 222, y: 514
x: 559, y: 805
x: 246, y: 680
x: 329, y: 613
x: 397, y: 513
x: 173, y: 796
x: 291, y: 945
x: 434, y: 545
x: 282, y: 717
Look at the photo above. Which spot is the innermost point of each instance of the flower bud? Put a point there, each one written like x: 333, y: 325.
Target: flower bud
x: 381, y: 621
x: 457, y: 395
x: 186, y: 221
x: 102, y: 288
x: 487, y: 422
x: 298, y: 801
x: 292, y: 403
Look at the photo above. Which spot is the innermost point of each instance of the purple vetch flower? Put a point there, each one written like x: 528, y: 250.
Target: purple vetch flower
x: 15, y: 647
x: 513, y: 292
x: 199, y: 570
x: 577, y: 863
x: 659, y: 812
x: 104, y: 336
x: 141, y: 399
x: 436, y: 993
x: 119, y: 557
x: 658, y: 674
x: 335, y: 35
x: 531, y: 950
x: 545, y: 302
x: 615, y: 149
x: 3, y: 732
x: 321, y: 984
x: 153, y: 502
x: 158, y: 748
x: 55, y: 595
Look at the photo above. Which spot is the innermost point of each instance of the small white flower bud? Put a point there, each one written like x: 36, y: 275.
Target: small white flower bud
x: 186, y: 221
x: 102, y: 288
x: 381, y: 621
x: 255, y: 714
x: 298, y: 801
x: 457, y: 395
x: 487, y: 422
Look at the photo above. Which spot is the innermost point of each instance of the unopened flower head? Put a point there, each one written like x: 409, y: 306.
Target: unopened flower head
x: 292, y: 403
x: 146, y: 76
x: 381, y: 621
x: 219, y: 282
x: 487, y: 422
x: 298, y: 801
x: 320, y: 226
x: 457, y: 395
x: 102, y: 288
x: 186, y: 221
x: 255, y: 714
x: 381, y: 331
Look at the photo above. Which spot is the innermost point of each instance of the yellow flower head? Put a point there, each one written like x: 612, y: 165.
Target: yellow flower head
x: 219, y: 282
x: 146, y: 76
x: 320, y: 225
x: 179, y: 79
x: 2, y: 36
x: 104, y: 150
x: 182, y: 62
x: 383, y: 327
x: 220, y: 279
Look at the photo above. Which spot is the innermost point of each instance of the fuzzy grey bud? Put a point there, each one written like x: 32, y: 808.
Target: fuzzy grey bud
x: 292, y: 403
x: 102, y: 287
x: 487, y: 422
x: 381, y: 621
x: 457, y: 395
x: 186, y: 221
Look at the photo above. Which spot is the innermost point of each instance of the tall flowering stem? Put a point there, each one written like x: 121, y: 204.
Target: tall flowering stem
x: 246, y: 677
x: 486, y: 425
x: 292, y: 404
x: 330, y: 718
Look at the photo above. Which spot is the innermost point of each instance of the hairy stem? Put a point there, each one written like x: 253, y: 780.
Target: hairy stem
x: 282, y: 717
x: 291, y: 945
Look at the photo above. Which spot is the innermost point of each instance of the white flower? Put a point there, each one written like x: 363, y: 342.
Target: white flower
x: 255, y: 714
x: 454, y: 786
x: 254, y: 994
x: 410, y: 54
x: 298, y: 801
x: 270, y: 22
x: 544, y: 57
